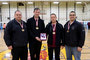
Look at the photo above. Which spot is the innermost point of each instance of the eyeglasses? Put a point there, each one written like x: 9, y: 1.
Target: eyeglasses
x: 71, y: 15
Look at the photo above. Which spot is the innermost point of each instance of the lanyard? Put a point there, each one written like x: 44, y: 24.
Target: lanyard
x: 36, y: 22
x: 36, y: 19
x: 21, y: 24
x: 54, y: 27
x: 68, y: 25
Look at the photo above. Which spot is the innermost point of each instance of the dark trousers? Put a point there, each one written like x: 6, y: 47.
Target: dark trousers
x: 19, y: 52
x: 35, y: 51
x: 57, y: 53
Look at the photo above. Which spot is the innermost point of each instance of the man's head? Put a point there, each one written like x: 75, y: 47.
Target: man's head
x: 53, y: 17
x: 36, y: 12
x: 72, y: 15
x: 18, y: 15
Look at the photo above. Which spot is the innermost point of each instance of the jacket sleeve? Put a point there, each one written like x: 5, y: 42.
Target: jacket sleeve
x: 47, y: 30
x: 8, y: 34
x: 81, y: 32
x: 29, y: 29
x: 62, y: 35
x: 43, y: 27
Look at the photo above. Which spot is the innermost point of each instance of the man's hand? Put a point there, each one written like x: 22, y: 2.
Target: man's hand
x: 62, y: 47
x: 35, y: 56
x: 37, y: 38
x: 79, y: 49
x: 10, y: 47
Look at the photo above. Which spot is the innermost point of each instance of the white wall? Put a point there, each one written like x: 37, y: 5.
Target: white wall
x: 30, y: 9
x: 5, y: 13
x: 13, y: 8
x: 22, y: 9
x: 70, y: 8
x: 79, y: 13
x: 62, y: 16
x: 45, y: 6
x: 54, y: 9
x: 87, y: 12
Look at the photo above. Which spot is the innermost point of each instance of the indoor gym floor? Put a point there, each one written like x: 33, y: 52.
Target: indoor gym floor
x: 6, y: 55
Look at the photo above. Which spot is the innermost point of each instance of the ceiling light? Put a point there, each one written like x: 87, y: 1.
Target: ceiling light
x: 4, y: 3
x: 30, y: 2
x: 55, y: 2
x: 78, y: 2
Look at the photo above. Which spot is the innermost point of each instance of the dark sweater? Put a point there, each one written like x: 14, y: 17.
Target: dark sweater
x: 76, y: 35
x: 14, y: 35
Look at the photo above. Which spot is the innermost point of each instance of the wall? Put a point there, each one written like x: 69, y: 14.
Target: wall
x: 62, y: 11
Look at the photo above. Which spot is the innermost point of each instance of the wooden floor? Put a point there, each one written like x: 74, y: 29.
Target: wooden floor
x: 85, y: 52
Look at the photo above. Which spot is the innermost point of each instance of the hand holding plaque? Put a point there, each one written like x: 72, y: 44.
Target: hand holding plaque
x: 43, y: 36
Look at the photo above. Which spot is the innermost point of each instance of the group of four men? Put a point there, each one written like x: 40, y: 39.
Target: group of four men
x: 18, y: 33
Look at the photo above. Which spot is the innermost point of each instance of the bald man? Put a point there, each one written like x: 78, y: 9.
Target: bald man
x: 15, y: 37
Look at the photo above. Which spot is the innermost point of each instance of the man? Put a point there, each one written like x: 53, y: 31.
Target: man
x: 54, y: 31
x: 35, y: 26
x: 74, y: 37
x: 16, y: 37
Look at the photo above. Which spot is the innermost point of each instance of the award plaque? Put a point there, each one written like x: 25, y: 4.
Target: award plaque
x: 43, y: 36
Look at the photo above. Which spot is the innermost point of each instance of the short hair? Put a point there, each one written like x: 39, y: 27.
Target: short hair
x: 17, y: 11
x: 36, y: 9
x: 53, y: 14
x: 73, y: 12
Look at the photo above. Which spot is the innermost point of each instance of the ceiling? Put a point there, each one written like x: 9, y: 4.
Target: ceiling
x: 44, y: 0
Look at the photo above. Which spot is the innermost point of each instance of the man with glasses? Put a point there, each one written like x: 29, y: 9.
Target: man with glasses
x: 74, y: 37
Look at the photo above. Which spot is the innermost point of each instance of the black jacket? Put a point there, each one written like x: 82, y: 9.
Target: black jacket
x: 76, y: 35
x: 14, y: 35
x: 59, y: 34
x: 32, y: 31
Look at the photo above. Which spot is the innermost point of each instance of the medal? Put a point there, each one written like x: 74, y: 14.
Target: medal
x: 54, y: 28
x: 37, y: 28
x: 67, y: 30
x: 23, y: 30
x: 53, y: 32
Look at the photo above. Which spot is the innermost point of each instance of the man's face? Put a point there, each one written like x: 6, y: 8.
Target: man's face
x: 72, y: 16
x: 18, y: 16
x: 53, y: 18
x: 36, y: 13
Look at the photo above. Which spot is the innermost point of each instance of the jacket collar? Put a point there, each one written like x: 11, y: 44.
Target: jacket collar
x: 16, y: 21
x: 38, y: 18
x: 51, y: 22
x: 73, y: 22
